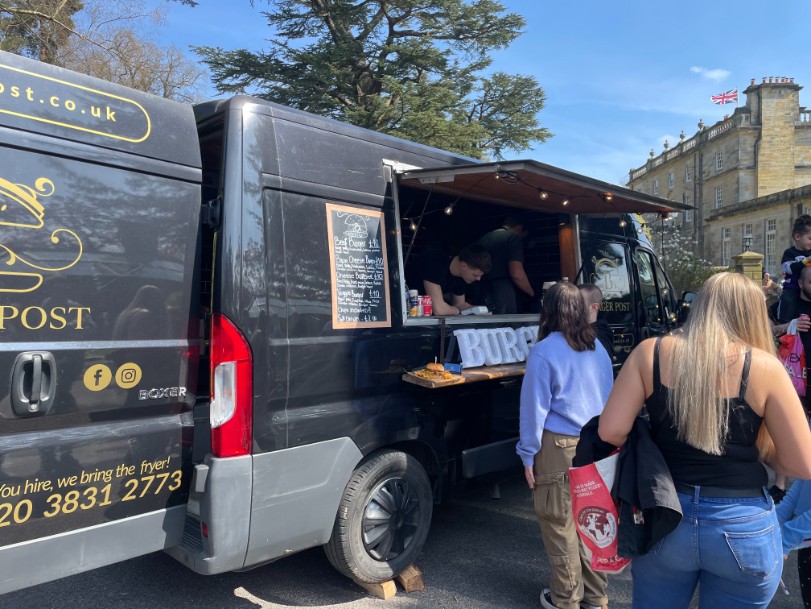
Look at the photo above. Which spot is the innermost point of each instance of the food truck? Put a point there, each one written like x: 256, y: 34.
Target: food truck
x: 205, y: 323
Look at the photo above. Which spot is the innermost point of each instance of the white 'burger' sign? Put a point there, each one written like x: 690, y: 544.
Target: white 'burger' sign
x: 493, y: 346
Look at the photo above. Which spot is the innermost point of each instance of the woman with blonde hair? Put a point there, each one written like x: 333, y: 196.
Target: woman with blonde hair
x: 716, y: 396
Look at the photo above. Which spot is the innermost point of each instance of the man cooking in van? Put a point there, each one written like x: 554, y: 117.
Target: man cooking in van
x: 445, y: 278
x: 506, y: 248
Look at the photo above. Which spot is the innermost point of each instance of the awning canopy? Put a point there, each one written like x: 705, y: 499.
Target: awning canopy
x: 536, y: 186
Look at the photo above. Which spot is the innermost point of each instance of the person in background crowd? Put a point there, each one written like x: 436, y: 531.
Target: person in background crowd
x: 568, y: 377
x: 794, y: 515
x: 715, y: 395
x: 445, y: 276
x: 802, y: 307
x: 771, y: 291
x: 506, y: 248
x: 792, y: 262
x: 594, y: 298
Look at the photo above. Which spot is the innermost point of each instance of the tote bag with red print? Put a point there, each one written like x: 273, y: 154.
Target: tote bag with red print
x: 595, y: 515
x: 792, y: 355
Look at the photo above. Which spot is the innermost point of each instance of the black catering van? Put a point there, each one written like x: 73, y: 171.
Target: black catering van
x: 204, y: 324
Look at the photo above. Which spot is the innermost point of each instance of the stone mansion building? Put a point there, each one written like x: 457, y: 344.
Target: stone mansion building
x: 748, y: 175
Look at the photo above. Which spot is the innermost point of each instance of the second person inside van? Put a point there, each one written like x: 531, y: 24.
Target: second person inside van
x: 445, y: 278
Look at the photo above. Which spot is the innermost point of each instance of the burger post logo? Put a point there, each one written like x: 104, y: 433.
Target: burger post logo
x: 21, y: 208
x: 53, y: 101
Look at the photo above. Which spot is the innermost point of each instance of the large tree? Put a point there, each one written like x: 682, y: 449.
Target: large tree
x: 413, y: 68
x: 37, y: 28
x: 116, y: 46
x: 109, y: 40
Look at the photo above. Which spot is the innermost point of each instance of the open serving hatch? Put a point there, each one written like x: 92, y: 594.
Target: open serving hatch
x: 535, y: 186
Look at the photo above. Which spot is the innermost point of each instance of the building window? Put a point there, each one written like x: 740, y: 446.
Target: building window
x: 747, y: 230
x: 770, y: 253
x: 719, y: 196
x: 719, y: 161
x: 688, y: 174
x: 688, y: 215
x: 726, y: 242
x: 670, y: 180
x: 656, y: 187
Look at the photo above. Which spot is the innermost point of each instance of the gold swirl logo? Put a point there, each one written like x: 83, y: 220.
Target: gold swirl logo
x: 20, y: 207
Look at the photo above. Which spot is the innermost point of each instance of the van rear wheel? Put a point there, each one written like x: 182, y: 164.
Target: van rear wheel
x: 383, y: 518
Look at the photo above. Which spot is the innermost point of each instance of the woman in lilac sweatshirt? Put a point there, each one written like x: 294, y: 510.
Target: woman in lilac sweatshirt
x: 567, y: 382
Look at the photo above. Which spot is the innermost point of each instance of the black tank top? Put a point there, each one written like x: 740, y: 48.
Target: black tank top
x: 738, y: 467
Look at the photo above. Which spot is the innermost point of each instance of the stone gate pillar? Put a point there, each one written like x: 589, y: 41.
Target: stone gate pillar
x: 750, y: 264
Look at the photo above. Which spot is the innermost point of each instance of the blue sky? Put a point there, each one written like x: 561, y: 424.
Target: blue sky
x: 620, y: 77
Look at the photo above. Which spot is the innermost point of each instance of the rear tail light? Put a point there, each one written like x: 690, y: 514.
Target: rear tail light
x: 231, y: 410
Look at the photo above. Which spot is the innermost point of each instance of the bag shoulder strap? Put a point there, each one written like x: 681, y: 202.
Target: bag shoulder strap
x: 657, y: 379
x: 745, y: 374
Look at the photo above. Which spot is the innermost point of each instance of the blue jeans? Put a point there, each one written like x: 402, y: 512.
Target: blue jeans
x: 730, y: 548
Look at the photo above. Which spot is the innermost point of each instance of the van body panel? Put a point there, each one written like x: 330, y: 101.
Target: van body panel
x: 296, y: 493
x: 98, y: 316
x: 34, y: 562
x: 218, y: 524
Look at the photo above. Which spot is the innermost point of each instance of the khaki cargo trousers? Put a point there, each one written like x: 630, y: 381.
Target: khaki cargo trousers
x: 572, y: 579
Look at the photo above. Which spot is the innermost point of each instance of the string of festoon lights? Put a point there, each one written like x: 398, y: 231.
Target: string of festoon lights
x: 544, y: 193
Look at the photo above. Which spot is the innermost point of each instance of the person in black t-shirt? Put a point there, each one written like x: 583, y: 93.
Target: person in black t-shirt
x: 446, y: 277
x: 506, y: 248
x: 792, y: 262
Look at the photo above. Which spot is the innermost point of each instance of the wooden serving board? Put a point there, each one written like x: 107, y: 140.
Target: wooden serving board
x: 471, y: 375
x: 487, y: 373
x: 410, y: 377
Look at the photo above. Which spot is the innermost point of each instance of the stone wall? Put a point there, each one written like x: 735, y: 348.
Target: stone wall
x: 781, y: 208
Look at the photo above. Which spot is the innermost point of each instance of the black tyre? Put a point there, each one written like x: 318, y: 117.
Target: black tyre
x: 383, y: 518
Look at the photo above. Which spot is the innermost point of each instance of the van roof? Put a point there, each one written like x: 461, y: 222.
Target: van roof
x: 536, y: 186
x: 42, y: 98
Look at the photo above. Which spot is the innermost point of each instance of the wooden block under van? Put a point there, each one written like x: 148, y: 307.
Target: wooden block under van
x: 411, y: 579
x: 385, y: 590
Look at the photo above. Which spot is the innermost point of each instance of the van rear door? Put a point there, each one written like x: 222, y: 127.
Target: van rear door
x: 99, y: 209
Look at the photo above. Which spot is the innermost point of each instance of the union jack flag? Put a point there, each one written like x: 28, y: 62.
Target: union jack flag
x: 726, y: 98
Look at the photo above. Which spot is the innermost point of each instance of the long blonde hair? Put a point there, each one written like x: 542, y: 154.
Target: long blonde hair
x: 730, y: 309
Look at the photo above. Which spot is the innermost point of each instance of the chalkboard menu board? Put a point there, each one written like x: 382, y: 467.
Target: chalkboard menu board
x: 360, y: 271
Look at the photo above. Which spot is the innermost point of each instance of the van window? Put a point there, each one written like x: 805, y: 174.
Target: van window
x: 668, y: 298
x: 606, y: 265
x: 647, y: 287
